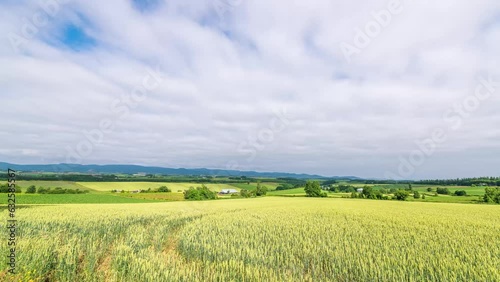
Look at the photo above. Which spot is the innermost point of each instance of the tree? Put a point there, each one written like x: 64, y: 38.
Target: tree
x: 492, y: 195
x: 401, y: 195
x: 260, y: 190
x: 31, y: 190
x: 164, y: 189
x: 368, y: 192
x: 200, y: 193
x: 443, y: 191
x: 429, y: 189
x: 42, y: 190
x: 416, y: 195
x: 313, y: 189
x: 460, y: 193
x: 284, y: 186
x: 244, y: 193
x: 4, y: 188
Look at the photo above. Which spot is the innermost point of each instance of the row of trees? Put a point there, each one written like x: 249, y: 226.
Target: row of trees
x: 203, y: 193
x: 285, y: 186
x: 259, y: 191
x: 58, y: 190
x: 476, y: 181
x: 200, y: 193
x: 162, y: 189
x: 370, y: 193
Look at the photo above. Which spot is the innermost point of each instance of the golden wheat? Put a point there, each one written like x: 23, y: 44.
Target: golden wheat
x: 269, y: 239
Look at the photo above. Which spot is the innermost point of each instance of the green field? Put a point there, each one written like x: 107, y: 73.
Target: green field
x: 266, y: 239
x: 295, y: 191
x: 100, y: 192
x: 130, y: 186
x: 173, y: 196
x: 477, y: 191
x: 448, y: 199
x: 473, y: 191
x: 29, y: 199
x: 40, y: 183
x: 253, y: 185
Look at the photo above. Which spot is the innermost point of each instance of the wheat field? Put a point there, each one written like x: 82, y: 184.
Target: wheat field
x: 267, y: 239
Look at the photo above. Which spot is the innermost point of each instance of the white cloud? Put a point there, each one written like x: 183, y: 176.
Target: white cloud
x: 223, y: 81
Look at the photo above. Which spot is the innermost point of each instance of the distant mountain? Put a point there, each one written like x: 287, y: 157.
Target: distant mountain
x: 133, y: 169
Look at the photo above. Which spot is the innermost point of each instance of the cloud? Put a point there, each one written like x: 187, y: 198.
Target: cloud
x: 228, y: 66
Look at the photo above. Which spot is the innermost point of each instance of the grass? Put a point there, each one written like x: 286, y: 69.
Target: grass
x: 100, y: 192
x: 295, y: 191
x: 448, y: 199
x: 253, y: 185
x: 173, y: 196
x: 477, y: 191
x: 266, y: 239
x: 29, y: 199
x: 130, y: 186
x: 23, y: 184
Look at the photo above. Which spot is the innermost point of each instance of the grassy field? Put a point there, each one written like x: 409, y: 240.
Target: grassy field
x: 473, y: 193
x: 448, y: 199
x: 130, y: 186
x: 63, y: 184
x: 268, y: 239
x: 173, y: 196
x: 477, y: 191
x: 295, y: 191
x: 30, y: 199
x: 100, y: 192
x: 253, y: 185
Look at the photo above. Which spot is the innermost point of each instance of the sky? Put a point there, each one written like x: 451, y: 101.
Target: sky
x: 377, y: 89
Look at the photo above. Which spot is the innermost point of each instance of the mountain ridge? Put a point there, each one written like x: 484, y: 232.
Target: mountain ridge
x: 133, y: 169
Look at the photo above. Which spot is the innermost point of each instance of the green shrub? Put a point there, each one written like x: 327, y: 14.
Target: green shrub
x: 244, y: 193
x: 31, y: 190
x: 260, y: 190
x: 401, y: 195
x: 199, y: 193
x: 492, y: 195
x: 163, y: 189
x: 443, y: 191
x: 4, y: 188
x: 284, y: 187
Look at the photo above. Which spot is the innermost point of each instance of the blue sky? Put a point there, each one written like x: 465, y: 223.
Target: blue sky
x: 75, y: 37
x: 325, y: 87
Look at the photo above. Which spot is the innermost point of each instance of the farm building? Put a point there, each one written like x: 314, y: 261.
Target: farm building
x: 228, y: 191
